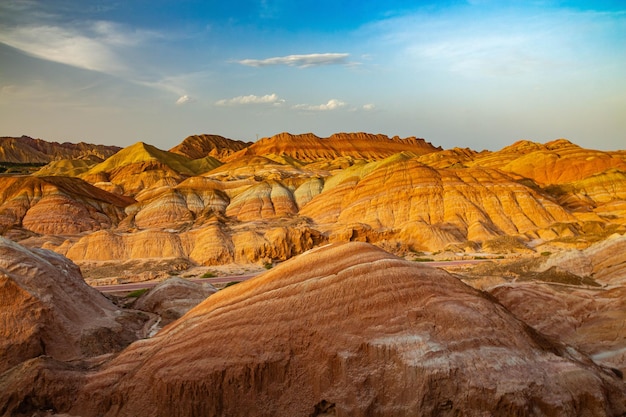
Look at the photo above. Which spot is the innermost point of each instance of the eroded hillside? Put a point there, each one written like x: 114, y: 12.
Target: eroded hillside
x: 213, y: 200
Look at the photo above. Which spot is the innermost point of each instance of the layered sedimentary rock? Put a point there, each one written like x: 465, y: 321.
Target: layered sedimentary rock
x: 428, y: 208
x: 555, y: 162
x: 57, y: 205
x: 47, y: 309
x: 212, y: 244
x: 200, y: 146
x: 28, y: 150
x: 141, y: 166
x: 604, y: 261
x: 311, y: 148
x: 592, y: 320
x: 66, y: 168
x: 342, y: 330
x: 403, y: 194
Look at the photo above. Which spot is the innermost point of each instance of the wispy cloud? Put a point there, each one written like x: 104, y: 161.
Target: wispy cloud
x: 251, y: 99
x: 183, y: 99
x: 65, y: 46
x: 301, y: 61
x: 332, y: 104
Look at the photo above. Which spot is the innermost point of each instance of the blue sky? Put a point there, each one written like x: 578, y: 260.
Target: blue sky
x: 479, y: 73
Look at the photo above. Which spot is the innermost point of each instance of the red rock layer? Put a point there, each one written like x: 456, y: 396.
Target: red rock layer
x: 199, y: 146
x: 349, y: 330
x: 310, y: 148
x: 555, y: 162
x: 57, y: 205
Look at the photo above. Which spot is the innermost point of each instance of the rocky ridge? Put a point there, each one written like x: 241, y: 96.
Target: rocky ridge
x: 28, y: 150
x: 401, y: 194
x: 199, y: 146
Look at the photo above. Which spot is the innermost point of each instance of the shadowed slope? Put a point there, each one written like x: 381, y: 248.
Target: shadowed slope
x: 47, y: 309
x: 200, y: 146
x: 351, y: 330
x: 29, y: 150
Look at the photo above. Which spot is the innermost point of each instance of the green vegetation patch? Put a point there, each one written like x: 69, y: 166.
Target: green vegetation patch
x: 137, y: 293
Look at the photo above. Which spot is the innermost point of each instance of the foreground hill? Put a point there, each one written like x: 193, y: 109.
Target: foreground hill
x: 28, y: 150
x: 47, y: 309
x: 341, y: 330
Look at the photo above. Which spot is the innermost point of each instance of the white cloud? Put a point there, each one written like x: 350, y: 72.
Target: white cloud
x: 301, y: 61
x: 183, y: 99
x: 333, y: 104
x: 62, y: 45
x: 369, y: 106
x: 251, y: 99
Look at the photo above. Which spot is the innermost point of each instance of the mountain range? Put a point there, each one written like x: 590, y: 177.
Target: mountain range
x: 521, y: 313
x: 215, y: 200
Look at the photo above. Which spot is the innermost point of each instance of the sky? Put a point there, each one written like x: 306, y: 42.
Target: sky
x: 480, y: 74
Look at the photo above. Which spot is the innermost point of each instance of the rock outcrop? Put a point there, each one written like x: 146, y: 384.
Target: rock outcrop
x: 342, y: 330
x: 46, y: 308
x: 591, y: 320
x: 57, y: 205
x: 172, y: 298
x: 212, y: 244
x: 200, y: 146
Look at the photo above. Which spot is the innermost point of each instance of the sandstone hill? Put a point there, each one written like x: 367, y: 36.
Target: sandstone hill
x: 341, y: 330
x: 404, y: 195
x: 28, y: 150
x: 57, y: 206
x: 199, y: 146
x: 47, y: 309
x: 142, y: 166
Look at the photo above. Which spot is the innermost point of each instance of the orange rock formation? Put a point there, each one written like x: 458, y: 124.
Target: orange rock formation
x: 310, y: 148
x: 47, y: 309
x: 199, y: 146
x: 341, y: 330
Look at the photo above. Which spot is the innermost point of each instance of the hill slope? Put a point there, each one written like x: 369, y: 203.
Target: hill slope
x: 345, y: 330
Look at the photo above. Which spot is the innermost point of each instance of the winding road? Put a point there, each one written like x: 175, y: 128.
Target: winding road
x: 132, y: 286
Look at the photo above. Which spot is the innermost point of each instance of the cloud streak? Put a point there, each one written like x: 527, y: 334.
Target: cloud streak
x: 251, y: 99
x: 65, y: 46
x: 332, y: 104
x: 300, y: 61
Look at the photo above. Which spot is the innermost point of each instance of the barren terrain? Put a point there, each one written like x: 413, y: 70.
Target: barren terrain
x: 383, y: 277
